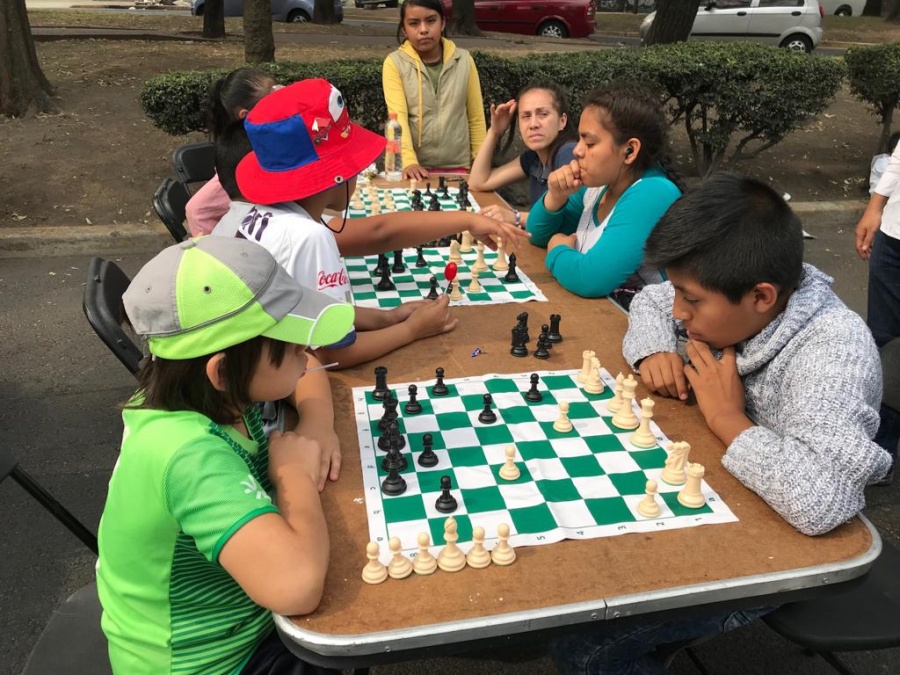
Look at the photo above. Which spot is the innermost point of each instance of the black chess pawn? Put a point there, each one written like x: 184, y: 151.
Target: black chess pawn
x: 385, y: 283
x: 417, y: 204
x: 545, y: 336
x: 446, y: 503
x: 533, y: 394
x: 428, y: 192
x: 439, y: 388
x: 420, y: 256
x: 518, y: 343
x: 554, y: 335
x: 380, y: 265
x: 511, y: 275
x: 434, y: 204
x: 541, y: 352
x: 413, y: 407
x: 381, y: 389
x: 433, y: 290
x: 427, y: 458
x: 394, y: 484
x: 487, y: 416
x: 398, y: 266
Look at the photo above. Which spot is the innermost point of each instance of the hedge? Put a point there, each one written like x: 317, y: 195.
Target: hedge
x: 875, y: 80
x: 746, y: 95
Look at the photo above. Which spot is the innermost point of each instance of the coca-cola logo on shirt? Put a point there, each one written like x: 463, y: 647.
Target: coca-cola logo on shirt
x: 333, y: 279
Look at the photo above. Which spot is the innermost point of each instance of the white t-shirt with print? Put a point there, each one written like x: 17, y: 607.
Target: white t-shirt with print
x: 304, y: 247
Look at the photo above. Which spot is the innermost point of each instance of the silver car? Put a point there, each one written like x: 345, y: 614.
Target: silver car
x: 292, y: 11
x: 792, y: 24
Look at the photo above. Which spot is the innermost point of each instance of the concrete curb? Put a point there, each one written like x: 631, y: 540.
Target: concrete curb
x: 31, y: 242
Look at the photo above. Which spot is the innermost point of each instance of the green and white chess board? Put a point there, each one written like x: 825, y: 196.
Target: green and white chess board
x: 577, y: 485
x: 413, y: 283
x: 401, y: 198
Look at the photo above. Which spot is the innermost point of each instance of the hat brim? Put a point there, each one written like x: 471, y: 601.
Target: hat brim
x: 323, y: 321
x: 271, y: 187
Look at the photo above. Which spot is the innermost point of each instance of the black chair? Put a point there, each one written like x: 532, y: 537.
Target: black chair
x: 106, y: 283
x: 865, y: 617
x: 169, y: 202
x: 72, y: 641
x: 195, y: 162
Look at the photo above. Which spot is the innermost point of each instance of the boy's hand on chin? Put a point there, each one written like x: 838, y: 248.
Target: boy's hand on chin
x: 719, y: 390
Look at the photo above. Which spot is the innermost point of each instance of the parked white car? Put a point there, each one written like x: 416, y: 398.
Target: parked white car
x: 792, y: 24
x: 843, y: 7
x: 292, y: 11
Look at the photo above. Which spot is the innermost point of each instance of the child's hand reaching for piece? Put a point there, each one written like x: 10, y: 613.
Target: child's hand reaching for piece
x: 663, y: 373
x: 432, y: 318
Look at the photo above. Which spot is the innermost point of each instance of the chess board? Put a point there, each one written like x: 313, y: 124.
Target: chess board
x: 413, y: 284
x: 578, y: 485
x: 402, y: 198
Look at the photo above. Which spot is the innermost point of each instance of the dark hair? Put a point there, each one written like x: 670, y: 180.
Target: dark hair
x: 164, y: 384
x: 632, y: 110
x: 232, y: 146
x: 892, y: 142
x: 241, y: 88
x: 730, y: 234
x: 435, y: 5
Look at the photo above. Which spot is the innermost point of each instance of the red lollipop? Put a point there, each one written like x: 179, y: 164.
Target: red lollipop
x: 450, y: 271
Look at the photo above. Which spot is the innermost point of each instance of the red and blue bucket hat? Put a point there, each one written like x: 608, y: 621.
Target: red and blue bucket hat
x: 303, y: 143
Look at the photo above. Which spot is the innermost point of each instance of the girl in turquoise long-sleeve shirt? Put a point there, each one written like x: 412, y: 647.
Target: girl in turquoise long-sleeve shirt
x: 599, y: 210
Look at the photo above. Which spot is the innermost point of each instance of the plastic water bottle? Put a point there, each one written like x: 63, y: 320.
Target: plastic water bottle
x: 393, y: 162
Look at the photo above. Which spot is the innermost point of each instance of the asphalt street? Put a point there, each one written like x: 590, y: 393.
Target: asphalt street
x: 59, y: 392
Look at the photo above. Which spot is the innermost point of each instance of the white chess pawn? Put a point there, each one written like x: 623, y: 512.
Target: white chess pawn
x: 451, y: 558
x: 594, y: 385
x: 562, y: 423
x: 585, y: 373
x: 454, y: 252
x: 503, y: 553
x: 400, y: 566
x: 509, y: 470
x: 375, y: 208
x: 691, y: 495
x: 455, y: 291
x: 615, y: 404
x: 412, y: 186
x: 480, y: 265
x: 648, y: 506
x: 474, y: 286
x: 500, y: 264
x: 466, y: 246
x: 625, y: 417
x: 374, y: 572
x: 643, y: 437
x: 425, y: 563
x: 478, y: 557
x: 673, y: 472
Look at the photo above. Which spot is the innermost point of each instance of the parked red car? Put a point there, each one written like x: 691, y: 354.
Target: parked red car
x: 549, y: 18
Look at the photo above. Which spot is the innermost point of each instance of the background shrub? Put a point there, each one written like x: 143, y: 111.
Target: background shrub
x: 875, y: 80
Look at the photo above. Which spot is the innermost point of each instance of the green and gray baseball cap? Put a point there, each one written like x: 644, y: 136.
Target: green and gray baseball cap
x: 204, y: 295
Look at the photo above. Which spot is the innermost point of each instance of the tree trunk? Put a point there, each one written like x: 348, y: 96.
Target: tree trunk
x: 673, y: 21
x: 323, y: 12
x: 214, y: 19
x: 462, y: 18
x: 259, y: 42
x: 872, y: 8
x: 893, y: 14
x: 23, y: 86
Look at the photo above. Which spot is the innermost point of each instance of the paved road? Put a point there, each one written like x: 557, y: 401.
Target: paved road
x: 59, y: 388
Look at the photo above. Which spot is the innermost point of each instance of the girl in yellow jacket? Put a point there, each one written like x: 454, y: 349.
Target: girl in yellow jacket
x: 434, y: 89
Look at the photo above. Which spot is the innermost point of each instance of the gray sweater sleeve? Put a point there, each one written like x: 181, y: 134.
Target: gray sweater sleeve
x: 651, y: 328
x: 813, y: 471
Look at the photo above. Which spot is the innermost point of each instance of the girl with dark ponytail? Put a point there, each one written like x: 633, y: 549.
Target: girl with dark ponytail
x: 230, y: 98
x: 599, y: 209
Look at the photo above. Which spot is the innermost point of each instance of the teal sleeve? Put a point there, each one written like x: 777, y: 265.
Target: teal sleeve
x: 543, y: 224
x: 620, y: 250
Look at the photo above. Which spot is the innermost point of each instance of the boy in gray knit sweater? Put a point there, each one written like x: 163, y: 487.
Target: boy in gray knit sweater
x: 785, y: 375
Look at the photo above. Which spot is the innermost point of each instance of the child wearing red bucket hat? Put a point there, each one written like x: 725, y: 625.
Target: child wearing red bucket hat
x: 306, y: 157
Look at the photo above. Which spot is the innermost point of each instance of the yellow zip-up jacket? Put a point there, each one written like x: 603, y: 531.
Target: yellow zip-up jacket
x: 438, y: 132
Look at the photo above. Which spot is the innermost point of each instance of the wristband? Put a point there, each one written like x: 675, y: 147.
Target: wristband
x: 517, y: 218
